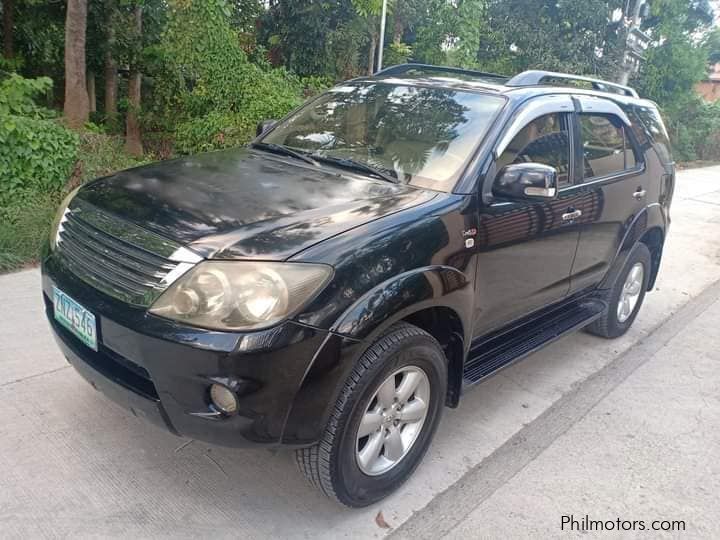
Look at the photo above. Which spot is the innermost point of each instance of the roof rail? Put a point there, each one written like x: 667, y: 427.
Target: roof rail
x: 535, y: 78
x: 404, y: 68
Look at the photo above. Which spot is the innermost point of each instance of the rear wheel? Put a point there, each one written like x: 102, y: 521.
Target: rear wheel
x: 383, y: 421
x: 625, y: 298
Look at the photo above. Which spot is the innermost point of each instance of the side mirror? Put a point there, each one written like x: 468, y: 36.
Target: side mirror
x: 526, y: 181
x: 264, y: 126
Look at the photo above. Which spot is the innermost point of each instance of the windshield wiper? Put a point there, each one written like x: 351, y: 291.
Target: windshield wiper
x: 348, y: 163
x: 285, y: 151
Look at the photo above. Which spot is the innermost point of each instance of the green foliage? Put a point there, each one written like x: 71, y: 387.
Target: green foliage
x: 24, y: 225
x: 559, y: 35
x: 38, y: 153
x: 674, y: 63
x: 207, y: 91
x: 25, y: 218
x: 40, y: 38
x: 101, y: 155
x: 315, y: 38
x: 18, y: 95
x: 368, y: 8
x: 397, y: 53
x: 694, y: 127
x: 712, y: 45
x: 670, y: 71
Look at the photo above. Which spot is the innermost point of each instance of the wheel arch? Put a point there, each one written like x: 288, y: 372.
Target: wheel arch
x: 441, y: 304
x: 445, y: 326
x: 654, y: 239
x: 438, y: 299
x: 648, y: 227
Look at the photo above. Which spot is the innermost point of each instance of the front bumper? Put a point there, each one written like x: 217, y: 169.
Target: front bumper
x: 162, y: 371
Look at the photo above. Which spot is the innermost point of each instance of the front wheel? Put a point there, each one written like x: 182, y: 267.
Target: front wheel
x: 626, y: 296
x: 383, y: 421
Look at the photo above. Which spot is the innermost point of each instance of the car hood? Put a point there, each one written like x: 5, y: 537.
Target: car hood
x: 246, y: 204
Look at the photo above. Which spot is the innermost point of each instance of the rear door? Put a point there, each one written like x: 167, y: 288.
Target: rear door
x: 611, y: 180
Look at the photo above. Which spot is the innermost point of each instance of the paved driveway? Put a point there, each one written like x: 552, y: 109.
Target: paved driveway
x: 73, y: 464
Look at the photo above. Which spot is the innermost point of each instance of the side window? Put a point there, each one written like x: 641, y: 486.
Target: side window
x: 544, y: 140
x: 606, y: 148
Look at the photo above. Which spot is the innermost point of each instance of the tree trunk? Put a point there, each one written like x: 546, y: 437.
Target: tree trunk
x: 8, y: 30
x: 76, y: 98
x: 371, y: 54
x: 398, y: 30
x: 92, y: 97
x: 111, y: 76
x: 133, y: 142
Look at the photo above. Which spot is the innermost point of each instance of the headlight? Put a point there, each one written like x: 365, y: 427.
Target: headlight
x: 240, y: 295
x: 54, y: 229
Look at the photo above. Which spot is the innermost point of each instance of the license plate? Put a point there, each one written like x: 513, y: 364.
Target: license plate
x: 75, y: 318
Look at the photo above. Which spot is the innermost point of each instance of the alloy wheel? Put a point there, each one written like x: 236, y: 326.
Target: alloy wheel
x: 630, y: 292
x: 393, y: 420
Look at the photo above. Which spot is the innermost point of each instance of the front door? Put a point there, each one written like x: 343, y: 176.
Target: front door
x: 526, y: 248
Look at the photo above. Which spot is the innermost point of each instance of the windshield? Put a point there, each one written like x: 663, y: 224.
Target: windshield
x: 423, y: 136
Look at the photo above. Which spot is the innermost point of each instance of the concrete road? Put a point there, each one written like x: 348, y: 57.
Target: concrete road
x: 624, y: 428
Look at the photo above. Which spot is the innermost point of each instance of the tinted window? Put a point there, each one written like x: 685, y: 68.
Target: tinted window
x: 651, y: 120
x: 544, y: 140
x: 605, y: 147
x: 424, y: 135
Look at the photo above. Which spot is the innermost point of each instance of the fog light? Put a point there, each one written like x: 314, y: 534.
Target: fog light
x: 223, y: 399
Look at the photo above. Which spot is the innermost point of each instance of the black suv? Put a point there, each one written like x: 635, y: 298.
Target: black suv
x: 363, y: 262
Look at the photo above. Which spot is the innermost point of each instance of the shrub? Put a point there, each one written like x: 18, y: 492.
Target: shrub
x: 24, y: 225
x: 206, y: 90
x: 38, y: 153
x: 694, y: 127
x: 101, y: 155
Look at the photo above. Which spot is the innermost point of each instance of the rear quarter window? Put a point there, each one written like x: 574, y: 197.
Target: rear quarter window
x: 654, y: 127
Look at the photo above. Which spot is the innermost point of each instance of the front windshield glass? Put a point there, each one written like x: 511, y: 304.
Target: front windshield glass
x: 422, y: 135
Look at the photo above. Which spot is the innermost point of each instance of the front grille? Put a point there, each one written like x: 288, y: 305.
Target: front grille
x: 116, y: 257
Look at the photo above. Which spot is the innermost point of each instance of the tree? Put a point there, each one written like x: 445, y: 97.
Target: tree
x: 206, y: 91
x: 675, y: 61
x: 110, y: 63
x: 313, y: 38
x: 560, y: 35
x: 133, y: 142
x: 712, y: 45
x: 370, y: 11
x: 8, y: 7
x: 76, y: 98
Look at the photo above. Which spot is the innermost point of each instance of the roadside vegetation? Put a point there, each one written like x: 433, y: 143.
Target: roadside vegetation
x: 152, y: 79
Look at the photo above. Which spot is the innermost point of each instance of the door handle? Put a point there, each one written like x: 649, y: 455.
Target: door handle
x: 569, y: 216
x: 639, y: 194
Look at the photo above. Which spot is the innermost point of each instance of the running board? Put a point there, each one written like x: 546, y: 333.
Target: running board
x: 501, y: 349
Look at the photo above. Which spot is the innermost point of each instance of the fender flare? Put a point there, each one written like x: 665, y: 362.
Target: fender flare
x: 405, y: 294
x: 651, y: 217
x: 360, y: 324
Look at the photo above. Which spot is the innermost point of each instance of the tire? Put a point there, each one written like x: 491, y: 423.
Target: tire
x: 612, y: 324
x: 335, y: 465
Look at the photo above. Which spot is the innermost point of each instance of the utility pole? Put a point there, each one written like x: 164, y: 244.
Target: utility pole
x: 383, y: 16
x: 635, y: 43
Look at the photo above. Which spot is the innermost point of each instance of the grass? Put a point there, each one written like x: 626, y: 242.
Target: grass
x: 23, y: 228
x: 100, y: 155
x: 24, y: 224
